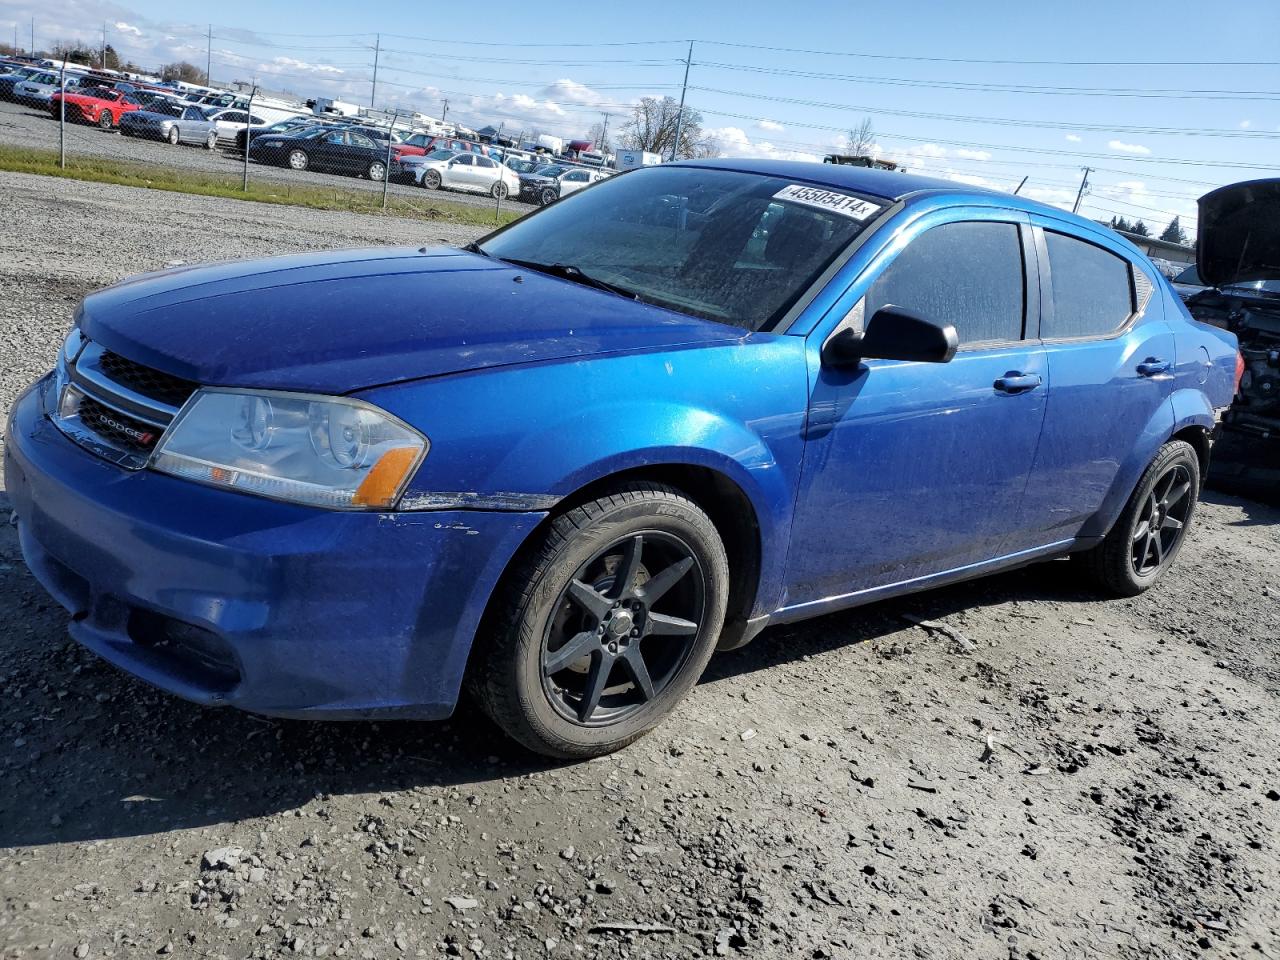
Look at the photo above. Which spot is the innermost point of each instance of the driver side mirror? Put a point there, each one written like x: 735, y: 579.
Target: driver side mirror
x: 893, y: 333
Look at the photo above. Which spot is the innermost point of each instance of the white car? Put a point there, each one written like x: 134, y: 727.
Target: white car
x: 231, y: 121
x: 472, y: 172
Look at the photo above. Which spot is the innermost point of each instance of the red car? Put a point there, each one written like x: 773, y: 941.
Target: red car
x: 93, y: 105
x: 423, y: 143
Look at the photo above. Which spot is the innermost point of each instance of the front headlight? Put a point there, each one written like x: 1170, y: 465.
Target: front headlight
x: 71, y: 346
x: 323, y: 451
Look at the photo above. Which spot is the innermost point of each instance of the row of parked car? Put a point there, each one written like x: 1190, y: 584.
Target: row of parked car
x: 299, y: 142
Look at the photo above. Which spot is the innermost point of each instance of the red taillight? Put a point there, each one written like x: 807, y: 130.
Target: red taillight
x: 1239, y: 371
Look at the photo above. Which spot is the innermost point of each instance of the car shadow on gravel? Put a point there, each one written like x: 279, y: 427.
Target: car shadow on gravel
x: 1056, y: 580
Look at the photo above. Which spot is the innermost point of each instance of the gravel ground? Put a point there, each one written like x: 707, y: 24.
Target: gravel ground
x: 24, y: 126
x: 1010, y: 768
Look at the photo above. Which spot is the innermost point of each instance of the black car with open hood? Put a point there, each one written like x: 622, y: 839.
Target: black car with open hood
x: 1238, y: 257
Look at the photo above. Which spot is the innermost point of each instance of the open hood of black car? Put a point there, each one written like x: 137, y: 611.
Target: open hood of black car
x: 1239, y: 233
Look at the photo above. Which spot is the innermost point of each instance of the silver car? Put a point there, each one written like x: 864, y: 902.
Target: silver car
x: 173, y: 122
x: 38, y: 89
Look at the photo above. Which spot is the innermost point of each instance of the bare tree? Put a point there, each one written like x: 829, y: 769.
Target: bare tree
x: 652, y: 127
x: 862, y: 139
x: 183, y: 71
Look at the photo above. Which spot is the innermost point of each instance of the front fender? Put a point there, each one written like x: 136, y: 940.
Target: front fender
x: 546, y: 430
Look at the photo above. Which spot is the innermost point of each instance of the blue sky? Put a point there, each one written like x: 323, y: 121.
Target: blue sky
x: 1158, y: 134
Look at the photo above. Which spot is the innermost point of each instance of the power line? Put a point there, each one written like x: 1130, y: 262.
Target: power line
x: 979, y: 60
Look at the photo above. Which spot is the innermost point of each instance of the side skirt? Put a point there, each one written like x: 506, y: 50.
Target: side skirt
x: 844, y: 601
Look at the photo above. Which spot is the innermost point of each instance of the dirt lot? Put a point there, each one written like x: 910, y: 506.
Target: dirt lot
x: 1033, y: 773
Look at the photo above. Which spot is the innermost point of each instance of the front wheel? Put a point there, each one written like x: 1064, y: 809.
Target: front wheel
x: 431, y: 180
x: 211, y: 141
x: 174, y: 136
x: 547, y: 197
x: 1145, y: 540
x: 606, y: 625
x: 298, y: 160
x: 105, y: 120
x: 499, y: 191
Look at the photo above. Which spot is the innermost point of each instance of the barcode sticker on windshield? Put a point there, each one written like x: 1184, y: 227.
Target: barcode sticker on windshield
x: 840, y: 203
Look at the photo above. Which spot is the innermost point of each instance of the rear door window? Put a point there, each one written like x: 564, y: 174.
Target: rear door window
x: 968, y: 274
x: 1092, y: 289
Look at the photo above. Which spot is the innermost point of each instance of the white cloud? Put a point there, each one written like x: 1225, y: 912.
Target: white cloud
x: 1072, y: 138
x: 968, y: 178
x: 964, y: 154
x: 1058, y: 197
x: 1128, y: 147
x: 128, y: 28
x: 771, y: 125
x: 1245, y: 124
x: 734, y: 142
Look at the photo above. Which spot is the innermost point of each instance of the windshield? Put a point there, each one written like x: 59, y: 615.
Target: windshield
x: 549, y: 170
x: 1189, y: 275
x: 739, y: 248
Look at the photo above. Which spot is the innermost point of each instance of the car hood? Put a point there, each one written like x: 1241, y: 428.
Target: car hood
x: 1239, y: 233
x: 342, y: 321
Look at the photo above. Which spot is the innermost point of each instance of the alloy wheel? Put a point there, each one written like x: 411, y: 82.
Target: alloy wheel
x: 1161, y: 521
x: 377, y: 171
x: 298, y: 160
x: 620, y: 634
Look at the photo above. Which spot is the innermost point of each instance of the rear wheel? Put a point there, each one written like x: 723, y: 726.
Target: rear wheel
x: 377, y: 170
x: 298, y: 159
x: 606, y: 625
x: 431, y: 179
x: 174, y: 136
x: 1145, y: 540
x: 548, y: 196
x: 105, y: 120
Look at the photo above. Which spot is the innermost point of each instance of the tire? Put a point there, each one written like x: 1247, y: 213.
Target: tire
x: 547, y: 197
x: 499, y: 191
x: 298, y: 160
x: 174, y: 136
x: 211, y: 141
x: 105, y: 120
x: 1132, y: 557
x: 377, y: 170
x: 555, y: 664
x: 431, y: 180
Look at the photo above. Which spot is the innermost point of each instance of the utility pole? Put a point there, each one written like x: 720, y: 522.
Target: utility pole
x: 103, y: 61
x: 1084, y: 182
x: 684, y: 86
x: 377, y: 49
x: 445, y: 111
x: 208, y: 57
x: 604, y: 136
x: 33, y: 36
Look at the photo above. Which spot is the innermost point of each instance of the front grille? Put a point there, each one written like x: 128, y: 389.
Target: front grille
x: 116, y: 428
x: 155, y: 384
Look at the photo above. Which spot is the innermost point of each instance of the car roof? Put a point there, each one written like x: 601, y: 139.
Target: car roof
x: 885, y: 184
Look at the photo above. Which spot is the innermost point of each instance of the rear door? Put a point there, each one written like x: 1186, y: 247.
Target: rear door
x: 915, y: 469
x: 1111, y: 361
x: 362, y: 152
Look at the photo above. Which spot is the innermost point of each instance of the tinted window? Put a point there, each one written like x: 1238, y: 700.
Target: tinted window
x: 1091, y: 288
x: 464, y: 160
x: 484, y: 162
x: 360, y: 140
x: 1189, y: 275
x: 966, y: 274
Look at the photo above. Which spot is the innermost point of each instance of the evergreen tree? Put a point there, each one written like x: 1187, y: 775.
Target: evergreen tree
x: 1174, y: 232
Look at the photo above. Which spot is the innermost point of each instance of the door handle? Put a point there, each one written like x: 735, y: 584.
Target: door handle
x: 1015, y: 382
x: 1153, y: 367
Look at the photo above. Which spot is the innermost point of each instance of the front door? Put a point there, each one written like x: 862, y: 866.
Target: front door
x: 914, y: 469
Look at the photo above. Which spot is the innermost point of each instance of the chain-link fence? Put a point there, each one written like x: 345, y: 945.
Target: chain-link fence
x: 68, y: 121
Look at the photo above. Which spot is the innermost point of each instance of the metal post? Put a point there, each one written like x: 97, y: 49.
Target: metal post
x: 604, y: 136
x: 1084, y: 182
x: 248, y: 127
x: 103, y: 59
x: 377, y: 49
x: 386, y: 170
x: 684, y: 86
x: 62, y: 115
x: 208, y: 58
x: 33, y: 36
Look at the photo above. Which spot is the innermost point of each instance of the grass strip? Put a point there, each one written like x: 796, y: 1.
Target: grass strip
x: 132, y: 174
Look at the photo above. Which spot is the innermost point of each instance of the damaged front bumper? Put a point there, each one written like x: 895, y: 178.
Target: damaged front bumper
x: 224, y: 598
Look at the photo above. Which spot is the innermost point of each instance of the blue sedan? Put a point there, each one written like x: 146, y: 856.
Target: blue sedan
x: 562, y: 466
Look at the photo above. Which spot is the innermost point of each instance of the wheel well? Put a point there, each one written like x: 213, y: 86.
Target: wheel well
x: 1202, y: 443
x: 723, y: 501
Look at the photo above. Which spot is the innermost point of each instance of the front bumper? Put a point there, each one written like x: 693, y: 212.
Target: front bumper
x: 223, y: 598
